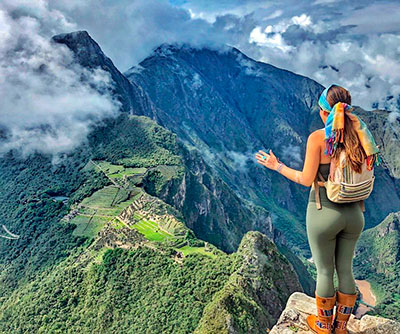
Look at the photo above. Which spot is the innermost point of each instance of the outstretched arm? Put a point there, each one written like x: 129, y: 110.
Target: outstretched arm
x: 311, y: 163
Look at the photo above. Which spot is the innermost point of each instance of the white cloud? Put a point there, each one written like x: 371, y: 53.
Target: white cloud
x: 45, y: 104
x: 250, y: 66
x: 269, y: 40
x: 292, y: 155
x: 302, y: 20
x: 239, y: 160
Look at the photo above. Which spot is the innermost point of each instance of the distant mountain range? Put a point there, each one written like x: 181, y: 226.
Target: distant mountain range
x: 156, y: 208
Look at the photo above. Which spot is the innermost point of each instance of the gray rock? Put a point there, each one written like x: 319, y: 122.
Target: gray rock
x: 299, y: 306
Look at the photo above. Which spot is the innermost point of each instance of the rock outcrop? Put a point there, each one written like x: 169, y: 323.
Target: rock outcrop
x: 299, y: 305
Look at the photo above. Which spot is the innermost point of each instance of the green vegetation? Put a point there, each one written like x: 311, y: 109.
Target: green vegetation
x: 378, y: 263
x: 151, y: 230
x: 102, y: 206
x: 29, y: 184
x: 88, y: 226
x: 126, y: 292
x: 118, y: 171
x: 255, y: 293
x: 186, y: 250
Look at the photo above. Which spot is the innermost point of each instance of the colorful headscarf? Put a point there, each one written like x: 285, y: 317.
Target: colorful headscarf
x: 334, y: 128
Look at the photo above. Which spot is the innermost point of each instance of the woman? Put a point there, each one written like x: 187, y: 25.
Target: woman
x: 333, y: 230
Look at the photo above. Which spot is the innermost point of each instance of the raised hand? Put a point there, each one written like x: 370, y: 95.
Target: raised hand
x: 268, y: 160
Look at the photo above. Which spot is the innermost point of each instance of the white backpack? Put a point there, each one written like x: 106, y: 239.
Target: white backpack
x: 344, y: 185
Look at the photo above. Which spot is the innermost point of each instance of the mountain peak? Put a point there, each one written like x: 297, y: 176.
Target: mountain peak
x: 85, y: 48
x: 168, y: 49
x: 80, y: 37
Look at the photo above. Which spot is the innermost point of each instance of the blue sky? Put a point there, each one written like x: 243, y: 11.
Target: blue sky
x: 355, y: 44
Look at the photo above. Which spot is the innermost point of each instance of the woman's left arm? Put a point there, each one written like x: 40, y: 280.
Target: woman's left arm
x: 311, y: 163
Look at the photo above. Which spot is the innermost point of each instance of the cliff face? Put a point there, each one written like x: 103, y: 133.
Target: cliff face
x: 379, y: 248
x: 299, y: 306
x: 212, y: 209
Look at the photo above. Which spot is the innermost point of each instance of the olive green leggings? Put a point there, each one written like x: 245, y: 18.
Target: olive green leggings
x: 332, y: 234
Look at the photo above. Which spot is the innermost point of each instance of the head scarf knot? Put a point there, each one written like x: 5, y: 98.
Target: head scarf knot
x: 334, y: 129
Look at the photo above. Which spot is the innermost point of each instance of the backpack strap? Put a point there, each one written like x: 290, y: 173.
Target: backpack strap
x: 317, y: 199
x: 318, y: 184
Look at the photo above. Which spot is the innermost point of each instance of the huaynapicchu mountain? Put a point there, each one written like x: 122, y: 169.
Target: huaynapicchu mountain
x: 162, y: 222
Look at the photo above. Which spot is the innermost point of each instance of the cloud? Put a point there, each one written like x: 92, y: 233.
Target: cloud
x: 46, y: 107
x: 375, y: 18
x: 250, y: 66
x: 292, y: 155
x: 328, y: 52
x: 129, y: 30
x: 317, y: 39
x: 239, y: 160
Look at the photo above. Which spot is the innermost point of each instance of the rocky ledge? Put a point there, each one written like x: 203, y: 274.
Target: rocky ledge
x: 299, y: 305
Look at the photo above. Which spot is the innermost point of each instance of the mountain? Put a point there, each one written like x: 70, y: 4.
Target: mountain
x: 377, y: 259
x: 88, y: 53
x: 211, y: 210
x: 162, y: 221
x: 228, y: 106
x: 96, y: 248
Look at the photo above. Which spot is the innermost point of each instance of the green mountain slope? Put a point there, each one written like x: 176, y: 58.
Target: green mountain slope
x: 109, y: 254
x: 253, y: 296
x: 377, y: 259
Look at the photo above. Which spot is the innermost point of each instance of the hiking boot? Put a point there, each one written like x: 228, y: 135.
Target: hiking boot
x: 322, y: 323
x: 344, y: 307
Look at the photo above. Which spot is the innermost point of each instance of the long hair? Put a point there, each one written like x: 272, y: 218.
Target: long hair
x: 355, y: 153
